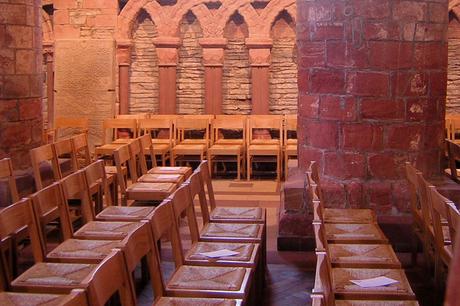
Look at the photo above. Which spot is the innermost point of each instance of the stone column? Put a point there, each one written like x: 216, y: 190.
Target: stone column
x: 259, y: 56
x: 168, y: 56
x: 48, y: 51
x: 21, y: 80
x: 213, y: 61
x: 124, y: 62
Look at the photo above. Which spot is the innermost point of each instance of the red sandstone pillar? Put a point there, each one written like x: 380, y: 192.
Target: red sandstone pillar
x: 213, y: 61
x: 259, y: 56
x: 167, y: 50
x: 372, y: 86
x: 21, y: 75
x: 124, y: 62
x: 49, y: 60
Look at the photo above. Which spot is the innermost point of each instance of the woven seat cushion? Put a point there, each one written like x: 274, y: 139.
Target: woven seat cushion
x: 244, y: 250
x: 160, y: 177
x: 362, y: 253
x: 54, y: 274
x: 251, y: 213
x: 106, y: 230
x: 375, y: 303
x: 337, y: 215
x: 176, y: 170
x: 135, y: 213
x: 207, y: 278
x: 30, y: 299
x: 356, y: 231
x: 342, y: 276
x: 173, y: 301
x: 88, y: 249
x: 231, y: 230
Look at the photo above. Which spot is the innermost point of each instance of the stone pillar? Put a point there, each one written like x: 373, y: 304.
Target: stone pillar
x: 213, y: 61
x: 21, y: 80
x: 49, y: 60
x: 167, y: 50
x: 259, y: 56
x: 372, y: 87
x: 124, y: 62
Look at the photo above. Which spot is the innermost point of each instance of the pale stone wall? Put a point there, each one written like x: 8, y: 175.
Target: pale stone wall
x: 283, y: 69
x: 453, y: 69
x: 143, y: 81
x: 190, y: 70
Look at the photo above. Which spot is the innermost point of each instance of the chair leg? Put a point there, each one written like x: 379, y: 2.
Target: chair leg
x: 238, y: 167
x: 248, y: 167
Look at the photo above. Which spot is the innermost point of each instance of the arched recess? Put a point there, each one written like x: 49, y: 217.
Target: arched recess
x: 236, y: 77
x: 143, y: 80
x: 190, y: 70
x: 48, y: 68
x: 453, y: 66
x: 283, y: 68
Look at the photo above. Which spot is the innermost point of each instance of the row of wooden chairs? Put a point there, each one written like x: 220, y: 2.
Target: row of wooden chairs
x: 435, y: 222
x: 351, y: 246
x: 198, y: 137
x: 452, y: 127
x: 78, y: 260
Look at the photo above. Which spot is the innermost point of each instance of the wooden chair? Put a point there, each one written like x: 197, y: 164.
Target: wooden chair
x: 335, y: 215
x: 452, y: 293
x: 6, y: 173
x: 65, y: 156
x: 289, y: 142
x: 324, y: 295
x: 194, y: 281
x: 68, y: 126
x: 188, y: 301
x: 133, y: 116
x: 355, y: 255
x: 112, y: 130
x: 43, y: 158
x: 190, y: 149
x: 212, y: 213
x: 162, y: 133
x: 264, y: 148
x: 138, y: 191
x: 453, y: 155
x: 455, y: 128
x: 222, y: 148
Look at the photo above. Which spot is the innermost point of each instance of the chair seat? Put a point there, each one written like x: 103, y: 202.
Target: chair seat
x: 232, y: 230
x: 77, y: 249
x: 247, y: 253
x: 208, y: 278
x: 33, y: 299
x: 375, y: 303
x: 229, y: 149
x: 161, y: 178
x: 107, y: 149
x: 123, y: 140
x: 348, y: 215
x: 161, y: 148
x: 290, y: 149
x: 262, y: 141
x: 363, y: 255
x: 62, y: 276
x: 105, y: 230
x: 228, y: 141
x: 150, y: 191
x: 354, y: 233
x: 112, y: 170
x: 343, y: 286
x: 122, y: 213
x: 261, y: 149
x: 250, y: 214
x: 185, y: 171
x: 191, y: 149
x: 168, y: 301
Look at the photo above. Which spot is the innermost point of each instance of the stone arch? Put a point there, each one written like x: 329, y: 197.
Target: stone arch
x: 272, y: 11
x: 128, y: 15
x: 453, y: 3
x: 47, y: 26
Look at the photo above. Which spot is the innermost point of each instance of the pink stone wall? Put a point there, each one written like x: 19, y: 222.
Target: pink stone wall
x: 372, y: 85
x: 20, y: 80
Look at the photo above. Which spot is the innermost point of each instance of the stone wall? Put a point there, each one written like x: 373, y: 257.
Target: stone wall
x: 190, y: 70
x: 283, y: 68
x: 143, y: 81
x: 453, y: 72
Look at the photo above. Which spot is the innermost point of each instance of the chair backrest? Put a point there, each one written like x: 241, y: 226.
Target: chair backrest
x: 40, y: 156
x: 133, y: 116
x: 137, y: 163
x: 109, y: 277
x: 312, y: 197
x: 185, y: 126
x: 455, y: 127
x: 122, y: 158
x: 81, y: 150
x: 412, y: 178
x: 453, y: 154
x: 224, y: 123
x: 50, y: 206
x: 323, y: 280
x: 63, y: 151
x: 6, y: 172
x: 95, y: 175
x: 65, y: 126
x: 273, y: 123
x: 453, y: 221
x: 147, y: 147
x: 74, y: 187
x: 207, y: 182
x: 315, y: 175
x: 113, y: 126
x: 424, y: 200
x: 18, y: 217
x: 156, y: 127
x: 290, y: 126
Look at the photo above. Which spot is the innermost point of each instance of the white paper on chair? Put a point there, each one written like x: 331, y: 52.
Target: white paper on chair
x: 374, y: 282
x: 219, y: 253
x: 164, y: 177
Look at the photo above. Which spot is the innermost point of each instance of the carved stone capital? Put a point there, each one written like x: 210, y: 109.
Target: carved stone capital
x: 48, y: 48
x: 124, y: 52
x: 213, y: 57
x: 213, y: 42
x: 167, y: 50
x: 259, y: 51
